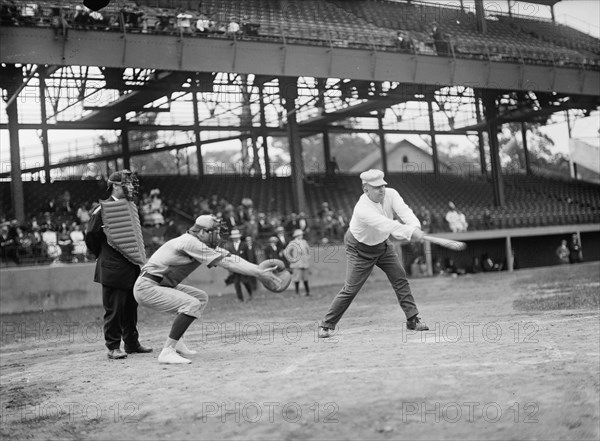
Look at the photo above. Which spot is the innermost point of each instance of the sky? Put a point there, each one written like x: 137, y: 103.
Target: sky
x: 580, y: 14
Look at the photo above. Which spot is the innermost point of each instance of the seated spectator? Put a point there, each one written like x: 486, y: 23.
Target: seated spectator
x: 418, y: 267
x: 65, y: 243
x: 404, y: 42
x: 476, y: 266
x: 58, y: 22
x: 202, y: 24
x: 575, y: 252
x: 487, y: 220
x: 456, y: 219
x: 9, y: 14
x: 8, y: 244
x: 450, y: 267
x: 184, y: 22
x: 81, y: 19
x: 248, y: 27
x: 83, y: 215
x: 563, y: 252
x: 50, y: 245
x: 78, y: 244
x: 425, y: 218
x: 488, y: 265
x: 233, y: 28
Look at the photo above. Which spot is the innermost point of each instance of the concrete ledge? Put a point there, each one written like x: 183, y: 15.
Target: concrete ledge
x: 66, y: 286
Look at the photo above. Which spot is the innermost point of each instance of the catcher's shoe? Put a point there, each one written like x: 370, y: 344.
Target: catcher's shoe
x: 415, y: 324
x: 169, y: 356
x: 182, y: 349
x: 116, y: 354
x: 325, y: 332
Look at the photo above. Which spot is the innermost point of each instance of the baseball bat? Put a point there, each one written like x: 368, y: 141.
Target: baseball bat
x: 447, y: 243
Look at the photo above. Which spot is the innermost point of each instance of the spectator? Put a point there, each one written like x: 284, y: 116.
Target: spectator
x: 50, y: 244
x: 297, y: 253
x: 238, y: 248
x: 65, y: 243
x: 563, y: 252
x: 404, y: 42
x: 265, y: 228
x: 184, y: 24
x: 78, y: 242
x: 58, y: 22
x: 233, y: 28
x: 8, y: 244
x: 456, y: 219
x: 202, y: 24
x: 488, y: 265
x: 487, y: 220
x: 81, y: 18
x: 83, y: 214
x: 575, y: 252
x: 248, y: 27
x: 476, y: 266
x: 272, y: 250
x: 440, y: 41
x: 425, y: 218
x: 418, y: 268
x: 251, y: 228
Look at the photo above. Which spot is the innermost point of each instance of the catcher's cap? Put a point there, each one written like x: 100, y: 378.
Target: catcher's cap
x: 206, y: 221
x: 373, y: 177
x: 235, y: 234
x: 297, y: 233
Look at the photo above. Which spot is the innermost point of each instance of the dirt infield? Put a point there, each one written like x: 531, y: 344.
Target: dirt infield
x: 501, y: 362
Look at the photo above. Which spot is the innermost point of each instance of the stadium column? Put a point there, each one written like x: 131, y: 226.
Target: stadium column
x: 45, y: 146
x: 327, y: 154
x: 482, y: 162
x: 125, y: 143
x: 14, y: 78
x: 197, y: 134
x: 381, y: 133
x: 263, y: 130
x: 436, y: 161
x: 491, y: 113
x: 289, y: 92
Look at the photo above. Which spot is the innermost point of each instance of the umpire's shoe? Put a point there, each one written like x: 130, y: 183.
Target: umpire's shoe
x: 415, y: 324
x: 116, y: 354
x: 139, y: 349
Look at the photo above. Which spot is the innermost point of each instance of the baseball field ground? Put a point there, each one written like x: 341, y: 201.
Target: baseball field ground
x: 509, y: 356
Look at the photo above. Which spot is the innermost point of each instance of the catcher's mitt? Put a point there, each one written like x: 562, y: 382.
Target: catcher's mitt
x: 284, y: 276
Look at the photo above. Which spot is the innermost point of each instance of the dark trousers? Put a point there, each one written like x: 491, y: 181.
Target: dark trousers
x: 361, y: 259
x: 238, y: 287
x: 120, y: 317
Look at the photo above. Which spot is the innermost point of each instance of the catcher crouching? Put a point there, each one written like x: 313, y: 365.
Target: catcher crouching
x: 159, y: 284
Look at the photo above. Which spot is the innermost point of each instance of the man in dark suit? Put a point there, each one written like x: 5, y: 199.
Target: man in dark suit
x: 238, y: 248
x: 117, y: 274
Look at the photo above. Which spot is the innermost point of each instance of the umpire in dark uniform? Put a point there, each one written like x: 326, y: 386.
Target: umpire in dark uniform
x: 117, y: 275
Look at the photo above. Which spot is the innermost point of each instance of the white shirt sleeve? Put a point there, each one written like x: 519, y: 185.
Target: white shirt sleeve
x: 410, y: 222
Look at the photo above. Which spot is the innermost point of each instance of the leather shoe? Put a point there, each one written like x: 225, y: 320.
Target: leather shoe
x: 139, y: 350
x: 415, y: 324
x: 325, y: 332
x: 116, y: 354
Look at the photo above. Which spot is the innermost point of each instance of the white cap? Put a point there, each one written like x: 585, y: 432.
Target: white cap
x: 235, y: 234
x: 373, y: 177
x: 297, y: 233
x: 206, y: 221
